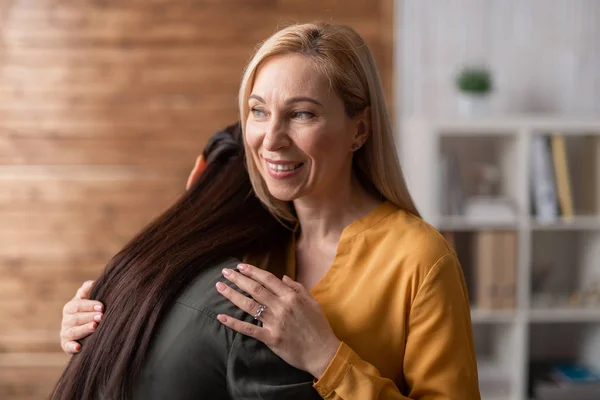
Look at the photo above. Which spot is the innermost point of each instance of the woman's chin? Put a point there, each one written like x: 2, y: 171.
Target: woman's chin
x: 283, y: 197
x: 283, y: 194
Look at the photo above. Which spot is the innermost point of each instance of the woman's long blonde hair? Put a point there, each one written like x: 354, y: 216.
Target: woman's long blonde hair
x: 345, y: 59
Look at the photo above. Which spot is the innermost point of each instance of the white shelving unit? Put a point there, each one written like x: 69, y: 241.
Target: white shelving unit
x: 508, y: 341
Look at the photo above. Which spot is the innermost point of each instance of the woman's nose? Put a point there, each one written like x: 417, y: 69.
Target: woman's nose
x: 276, y: 136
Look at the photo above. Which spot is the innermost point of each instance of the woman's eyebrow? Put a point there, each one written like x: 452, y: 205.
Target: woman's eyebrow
x: 257, y: 97
x: 297, y: 99
x: 302, y: 98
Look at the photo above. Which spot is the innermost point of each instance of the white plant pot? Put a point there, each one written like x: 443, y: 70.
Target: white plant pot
x: 471, y: 105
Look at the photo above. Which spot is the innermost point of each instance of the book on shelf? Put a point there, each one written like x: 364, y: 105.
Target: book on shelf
x: 552, y: 190
x: 508, y: 265
x: 574, y: 374
x: 495, y: 269
x: 544, y: 197
x: 568, y: 381
x: 485, y: 282
x: 587, y: 190
x: 451, y: 187
x: 561, y: 172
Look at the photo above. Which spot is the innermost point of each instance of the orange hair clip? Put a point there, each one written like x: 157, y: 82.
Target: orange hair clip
x: 199, y: 167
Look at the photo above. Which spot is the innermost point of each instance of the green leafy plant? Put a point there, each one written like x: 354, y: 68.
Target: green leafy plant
x: 474, y: 80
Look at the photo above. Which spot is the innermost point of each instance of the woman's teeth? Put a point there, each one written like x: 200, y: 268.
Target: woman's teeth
x: 283, y: 167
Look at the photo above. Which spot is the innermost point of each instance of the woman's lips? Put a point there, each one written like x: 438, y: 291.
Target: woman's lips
x: 282, y: 169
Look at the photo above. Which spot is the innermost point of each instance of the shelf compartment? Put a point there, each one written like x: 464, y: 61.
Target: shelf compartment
x: 566, y: 177
x: 490, y: 264
x: 565, y: 272
x: 495, y: 346
x: 478, y: 179
x: 556, y: 343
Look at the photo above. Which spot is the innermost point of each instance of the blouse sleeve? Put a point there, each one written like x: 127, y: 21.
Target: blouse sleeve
x: 439, y: 361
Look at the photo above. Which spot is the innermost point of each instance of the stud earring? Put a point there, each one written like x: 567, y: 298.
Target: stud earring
x: 355, y: 146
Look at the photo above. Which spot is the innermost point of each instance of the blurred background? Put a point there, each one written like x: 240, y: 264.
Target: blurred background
x: 105, y: 104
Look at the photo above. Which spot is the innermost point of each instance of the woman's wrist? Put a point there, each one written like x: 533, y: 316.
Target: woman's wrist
x: 326, y: 355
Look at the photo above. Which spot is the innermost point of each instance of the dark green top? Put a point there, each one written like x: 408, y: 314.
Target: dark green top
x: 194, y: 356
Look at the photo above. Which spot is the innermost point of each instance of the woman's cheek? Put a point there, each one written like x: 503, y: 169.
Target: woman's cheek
x: 253, y: 139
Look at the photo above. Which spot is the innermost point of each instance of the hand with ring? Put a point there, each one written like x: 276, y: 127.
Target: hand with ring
x: 259, y: 312
x: 293, y: 324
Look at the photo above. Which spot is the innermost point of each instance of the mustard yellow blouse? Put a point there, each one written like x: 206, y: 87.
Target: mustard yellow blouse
x: 395, y: 296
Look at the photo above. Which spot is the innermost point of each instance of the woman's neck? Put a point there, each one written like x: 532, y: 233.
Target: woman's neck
x: 323, y: 218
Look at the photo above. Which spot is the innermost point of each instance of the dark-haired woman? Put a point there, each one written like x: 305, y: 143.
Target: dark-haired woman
x: 161, y: 339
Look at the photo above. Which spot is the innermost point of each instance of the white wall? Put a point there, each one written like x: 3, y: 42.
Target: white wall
x: 545, y: 54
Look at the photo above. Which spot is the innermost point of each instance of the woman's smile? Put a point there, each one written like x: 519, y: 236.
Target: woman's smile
x: 282, y: 169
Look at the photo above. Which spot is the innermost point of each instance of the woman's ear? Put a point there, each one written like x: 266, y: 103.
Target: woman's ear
x: 198, y: 169
x: 363, y: 127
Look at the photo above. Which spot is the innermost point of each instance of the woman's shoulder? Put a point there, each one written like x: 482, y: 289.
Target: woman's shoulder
x: 201, y: 294
x: 199, y: 291
x: 186, y: 333
x: 412, y: 240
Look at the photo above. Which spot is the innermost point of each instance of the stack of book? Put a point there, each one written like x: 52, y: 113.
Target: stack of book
x: 495, y: 261
x: 569, y: 381
x: 552, y: 195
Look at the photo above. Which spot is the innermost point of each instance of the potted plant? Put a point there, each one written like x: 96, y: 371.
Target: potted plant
x: 474, y: 85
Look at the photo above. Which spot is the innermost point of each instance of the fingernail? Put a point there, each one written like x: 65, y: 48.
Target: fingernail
x: 98, y: 317
x: 242, y: 267
x: 221, y: 286
x: 98, y: 307
x: 222, y: 318
x: 226, y: 271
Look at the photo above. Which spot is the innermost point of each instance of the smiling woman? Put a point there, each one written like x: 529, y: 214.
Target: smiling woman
x: 376, y: 306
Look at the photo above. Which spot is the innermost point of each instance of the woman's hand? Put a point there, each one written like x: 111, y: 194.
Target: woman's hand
x: 80, y: 318
x: 293, y: 324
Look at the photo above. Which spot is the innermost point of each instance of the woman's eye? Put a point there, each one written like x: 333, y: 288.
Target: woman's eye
x: 257, y: 113
x: 303, y: 115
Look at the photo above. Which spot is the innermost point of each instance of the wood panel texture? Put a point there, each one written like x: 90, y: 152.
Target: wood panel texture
x: 103, y: 107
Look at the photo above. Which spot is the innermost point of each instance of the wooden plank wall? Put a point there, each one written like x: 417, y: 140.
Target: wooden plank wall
x: 103, y: 107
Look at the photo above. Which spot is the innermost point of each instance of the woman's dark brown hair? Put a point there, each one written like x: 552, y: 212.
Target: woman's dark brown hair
x: 218, y: 217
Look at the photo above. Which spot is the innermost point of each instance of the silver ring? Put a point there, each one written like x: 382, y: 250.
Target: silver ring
x: 259, y: 312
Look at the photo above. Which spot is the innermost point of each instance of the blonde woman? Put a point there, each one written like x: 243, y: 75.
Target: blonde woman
x: 373, y: 304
